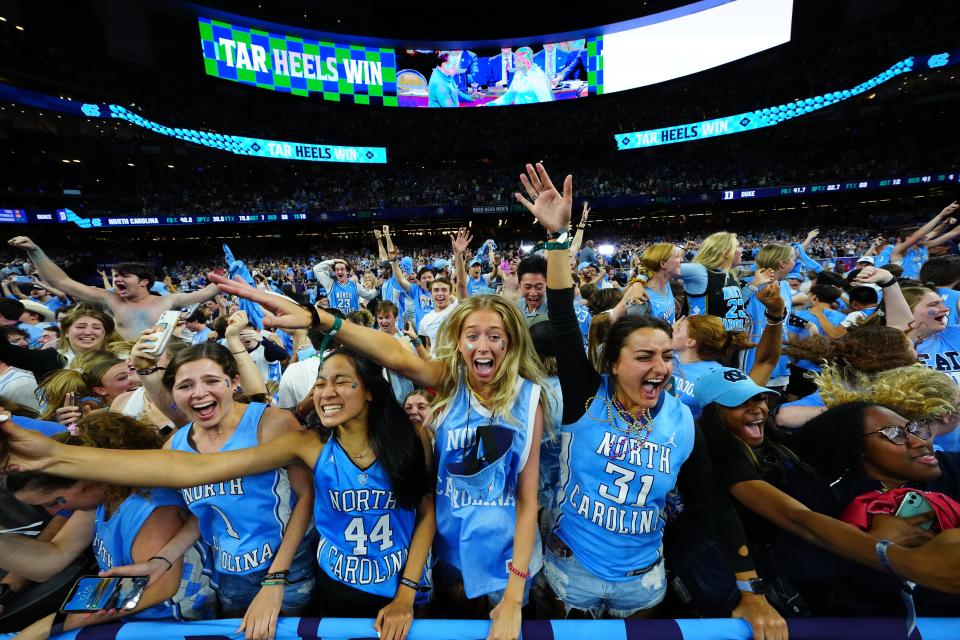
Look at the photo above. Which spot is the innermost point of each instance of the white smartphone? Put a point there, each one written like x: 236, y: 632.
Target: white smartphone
x: 167, y: 323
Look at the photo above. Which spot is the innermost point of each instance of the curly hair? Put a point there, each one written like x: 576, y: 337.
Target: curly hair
x: 868, y: 349
x: 101, y: 430
x: 912, y: 391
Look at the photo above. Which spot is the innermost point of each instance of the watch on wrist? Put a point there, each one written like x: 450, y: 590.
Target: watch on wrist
x: 756, y: 586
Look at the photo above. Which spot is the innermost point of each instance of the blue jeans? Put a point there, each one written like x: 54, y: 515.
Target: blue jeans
x: 238, y: 591
x: 577, y: 588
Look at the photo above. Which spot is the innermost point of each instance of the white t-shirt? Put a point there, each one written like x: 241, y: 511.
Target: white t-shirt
x: 17, y: 385
x: 430, y: 323
x: 297, y: 381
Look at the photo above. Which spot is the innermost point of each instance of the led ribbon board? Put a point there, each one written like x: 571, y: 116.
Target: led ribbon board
x: 244, y: 146
x: 240, y: 145
x: 771, y: 116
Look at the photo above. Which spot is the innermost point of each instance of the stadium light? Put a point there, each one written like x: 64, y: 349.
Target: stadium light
x: 526, y: 248
x: 606, y: 250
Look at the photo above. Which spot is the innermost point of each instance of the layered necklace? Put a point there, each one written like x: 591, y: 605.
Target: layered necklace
x: 637, y: 427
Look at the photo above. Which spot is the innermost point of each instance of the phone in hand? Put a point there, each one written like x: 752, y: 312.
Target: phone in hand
x: 70, y: 399
x: 189, y: 311
x: 915, y: 504
x: 93, y: 593
x: 167, y: 323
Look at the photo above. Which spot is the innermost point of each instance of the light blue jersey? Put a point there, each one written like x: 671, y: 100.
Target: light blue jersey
x: 941, y: 352
x: 951, y: 299
x: 662, y: 304
x: 912, y: 261
x: 758, y: 323
x: 113, y: 544
x: 685, y: 376
x: 243, y: 519
x: 420, y: 300
x: 364, y: 536
x: 477, y: 509
x: 345, y: 297
x: 478, y: 286
x: 614, y: 488
x: 583, y: 319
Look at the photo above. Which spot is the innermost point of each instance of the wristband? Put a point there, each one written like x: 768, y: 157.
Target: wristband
x: 881, y: 551
x: 419, y: 588
x: 236, y: 353
x: 559, y: 233
x: 888, y: 283
x: 523, y: 575
x: 335, y: 329
x: 150, y: 371
x: 416, y: 342
x: 277, y: 575
x: 274, y: 583
x: 169, y: 564
x: 552, y: 246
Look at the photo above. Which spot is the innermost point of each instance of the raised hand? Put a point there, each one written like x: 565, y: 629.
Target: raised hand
x: 22, y: 242
x: 548, y: 206
x: 586, y: 213
x: 236, y: 324
x: 813, y: 234
x: 460, y: 241
x: 286, y: 313
x: 770, y: 298
x: 947, y: 210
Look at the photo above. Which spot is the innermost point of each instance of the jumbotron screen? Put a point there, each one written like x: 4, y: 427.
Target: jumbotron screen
x: 652, y: 49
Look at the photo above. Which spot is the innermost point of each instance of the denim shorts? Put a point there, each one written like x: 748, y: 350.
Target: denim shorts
x: 577, y: 588
x: 237, y: 591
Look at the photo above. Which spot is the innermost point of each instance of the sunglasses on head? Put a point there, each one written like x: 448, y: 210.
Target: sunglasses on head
x: 900, y: 434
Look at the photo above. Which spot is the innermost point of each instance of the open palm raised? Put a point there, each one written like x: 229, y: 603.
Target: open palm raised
x: 551, y: 209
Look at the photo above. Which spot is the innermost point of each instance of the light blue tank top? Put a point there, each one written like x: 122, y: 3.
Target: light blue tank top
x: 113, y: 543
x: 243, y: 519
x: 685, y: 376
x: 662, y: 304
x: 613, y: 489
x: 364, y: 536
x: 951, y: 299
x: 345, y: 297
x: 941, y: 352
x: 477, y: 510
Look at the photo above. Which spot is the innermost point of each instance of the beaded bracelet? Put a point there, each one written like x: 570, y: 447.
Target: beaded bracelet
x: 274, y: 583
x: 523, y: 575
x: 277, y: 575
x: 150, y: 371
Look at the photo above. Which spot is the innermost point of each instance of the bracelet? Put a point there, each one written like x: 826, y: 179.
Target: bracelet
x: 419, y: 588
x: 774, y: 319
x: 552, y: 246
x: 274, y: 583
x: 523, y: 575
x: 236, y: 353
x: 150, y: 371
x: 881, y: 550
x: 335, y: 329
x: 169, y: 564
x: 277, y: 575
x: 416, y: 342
x: 553, y: 235
x: 888, y: 283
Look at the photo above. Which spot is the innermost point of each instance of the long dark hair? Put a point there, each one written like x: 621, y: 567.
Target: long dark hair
x: 392, y: 436
x: 832, y: 442
x: 619, y: 332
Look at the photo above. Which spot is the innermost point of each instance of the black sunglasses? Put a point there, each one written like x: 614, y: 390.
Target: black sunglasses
x: 900, y: 434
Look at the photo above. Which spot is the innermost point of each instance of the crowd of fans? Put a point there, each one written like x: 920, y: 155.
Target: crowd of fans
x: 472, y: 425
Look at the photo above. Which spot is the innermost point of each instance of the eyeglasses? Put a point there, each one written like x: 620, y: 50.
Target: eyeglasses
x: 900, y: 434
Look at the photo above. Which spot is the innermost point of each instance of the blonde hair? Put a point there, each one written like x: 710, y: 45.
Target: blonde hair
x: 121, y: 349
x: 85, y: 310
x: 714, y: 250
x: 771, y: 255
x: 596, y: 336
x: 655, y: 254
x: 85, y: 373
x: 914, y: 391
x: 520, y: 359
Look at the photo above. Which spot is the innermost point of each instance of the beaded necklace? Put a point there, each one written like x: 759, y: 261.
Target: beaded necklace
x: 639, y: 426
